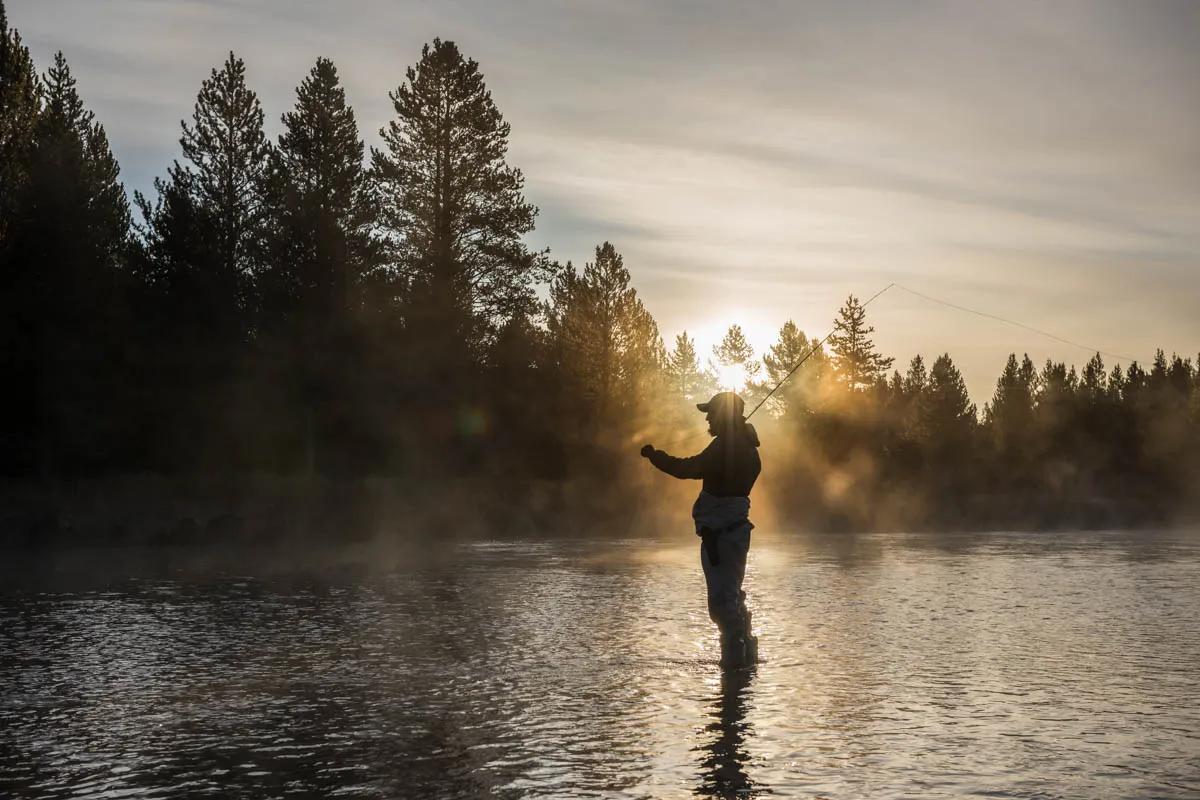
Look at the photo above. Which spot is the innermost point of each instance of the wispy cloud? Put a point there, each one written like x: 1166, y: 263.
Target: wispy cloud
x: 1040, y: 160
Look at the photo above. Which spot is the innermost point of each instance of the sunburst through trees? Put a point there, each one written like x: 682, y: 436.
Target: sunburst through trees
x: 300, y: 307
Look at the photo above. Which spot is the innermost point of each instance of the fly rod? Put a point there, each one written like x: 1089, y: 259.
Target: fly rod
x: 806, y: 356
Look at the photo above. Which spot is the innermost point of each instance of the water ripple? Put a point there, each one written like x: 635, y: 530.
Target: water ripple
x: 1009, y: 665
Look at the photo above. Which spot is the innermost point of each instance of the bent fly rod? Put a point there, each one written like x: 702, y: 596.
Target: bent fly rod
x: 806, y: 356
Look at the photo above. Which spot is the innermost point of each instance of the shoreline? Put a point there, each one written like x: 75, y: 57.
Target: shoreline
x: 253, y: 511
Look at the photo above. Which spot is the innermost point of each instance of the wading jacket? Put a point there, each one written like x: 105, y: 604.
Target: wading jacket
x: 728, y: 466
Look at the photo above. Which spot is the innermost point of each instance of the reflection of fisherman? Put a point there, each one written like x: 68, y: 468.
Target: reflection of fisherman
x: 725, y: 759
x: 728, y: 467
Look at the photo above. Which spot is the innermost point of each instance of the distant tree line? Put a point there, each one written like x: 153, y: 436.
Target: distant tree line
x: 305, y: 306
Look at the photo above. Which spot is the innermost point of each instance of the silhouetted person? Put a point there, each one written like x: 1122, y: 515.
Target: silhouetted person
x: 728, y: 466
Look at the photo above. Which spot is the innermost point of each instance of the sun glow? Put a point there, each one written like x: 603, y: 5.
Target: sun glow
x: 731, y: 378
x: 757, y: 329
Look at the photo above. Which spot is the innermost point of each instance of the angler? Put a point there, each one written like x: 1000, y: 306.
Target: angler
x: 728, y: 466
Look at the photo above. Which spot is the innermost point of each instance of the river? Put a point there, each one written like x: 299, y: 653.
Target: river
x: 893, y: 665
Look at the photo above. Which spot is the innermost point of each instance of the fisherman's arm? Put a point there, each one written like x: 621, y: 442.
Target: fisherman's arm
x: 695, y: 467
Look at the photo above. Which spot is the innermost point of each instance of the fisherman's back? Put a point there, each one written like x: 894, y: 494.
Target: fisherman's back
x: 729, y: 466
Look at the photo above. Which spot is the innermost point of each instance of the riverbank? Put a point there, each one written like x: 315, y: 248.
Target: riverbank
x: 271, y: 511
x: 263, y: 510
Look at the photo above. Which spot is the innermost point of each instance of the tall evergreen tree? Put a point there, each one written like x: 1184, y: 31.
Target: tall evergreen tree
x: 452, y: 205
x: 323, y: 207
x: 64, y: 255
x: 227, y: 156
x: 1055, y: 406
x: 734, y: 350
x: 854, y: 357
x: 73, y: 150
x: 1194, y: 405
x: 523, y: 394
x: 606, y: 343
x: 1094, y: 381
x: 20, y: 104
x: 909, y: 394
x: 201, y: 249
x: 1162, y: 424
x: 1116, y: 383
x: 916, y: 379
x: 799, y: 393
x: 1096, y: 397
x: 517, y: 356
x: 1010, y: 413
x: 322, y: 258
x: 209, y: 219
x: 948, y: 416
x: 686, y: 377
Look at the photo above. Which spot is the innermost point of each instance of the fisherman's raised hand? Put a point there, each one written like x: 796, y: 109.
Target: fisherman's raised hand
x: 647, y: 450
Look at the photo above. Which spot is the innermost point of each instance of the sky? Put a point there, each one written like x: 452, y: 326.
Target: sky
x: 758, y: 162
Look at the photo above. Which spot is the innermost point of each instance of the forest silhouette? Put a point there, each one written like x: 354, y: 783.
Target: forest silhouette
x: 310, y: 308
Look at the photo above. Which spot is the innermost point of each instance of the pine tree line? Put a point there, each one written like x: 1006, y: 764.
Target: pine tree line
x: 305, y: 305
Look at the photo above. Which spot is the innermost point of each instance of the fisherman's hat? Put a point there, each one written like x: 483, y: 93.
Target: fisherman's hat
x: 724, y: 404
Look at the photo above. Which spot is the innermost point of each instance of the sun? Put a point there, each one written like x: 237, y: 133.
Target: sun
x: 731, y: 378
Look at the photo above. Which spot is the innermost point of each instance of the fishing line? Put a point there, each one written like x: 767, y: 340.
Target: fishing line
x: 1039, y: 331
x: 948, y: 304
x: 806, y: 356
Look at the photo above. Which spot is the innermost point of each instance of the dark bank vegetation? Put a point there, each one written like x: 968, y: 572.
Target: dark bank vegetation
x: 347, y: 324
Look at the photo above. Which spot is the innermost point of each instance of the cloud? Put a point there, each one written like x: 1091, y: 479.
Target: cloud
x: 768, y: 158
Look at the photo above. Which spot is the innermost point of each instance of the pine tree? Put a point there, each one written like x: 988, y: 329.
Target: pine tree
x: 451, y: 204
x: 1179, y: 376
x: 734, y: 350
x: 939, y: 447
x: 683, y: 371
x: 947, y: 413
x: 1158, y: 370
x: 916, y: 379
x: 1009, y: 416
x: 854, y: 356
x: 323, y: 208
x: 206, y: 231
x: 1093, y: 385
x: 321, y: 255
x: 201, y: 248
x: 515, y: 355
x: 521, y: 392
x: 1116, y: 383
x: 20, y: 105
x: 799, y: 392
x: 228, y: 154
x: 606, y: 343
x: 1194, y: 411
x: 210, y: 213
x: 912, y: 390
x: 1055, y: 403
x: 65, y: 255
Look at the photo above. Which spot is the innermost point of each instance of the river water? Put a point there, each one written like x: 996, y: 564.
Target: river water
x: 893, y: 665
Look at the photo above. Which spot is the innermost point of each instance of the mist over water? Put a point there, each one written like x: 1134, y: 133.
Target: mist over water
x: 1012, y: 665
